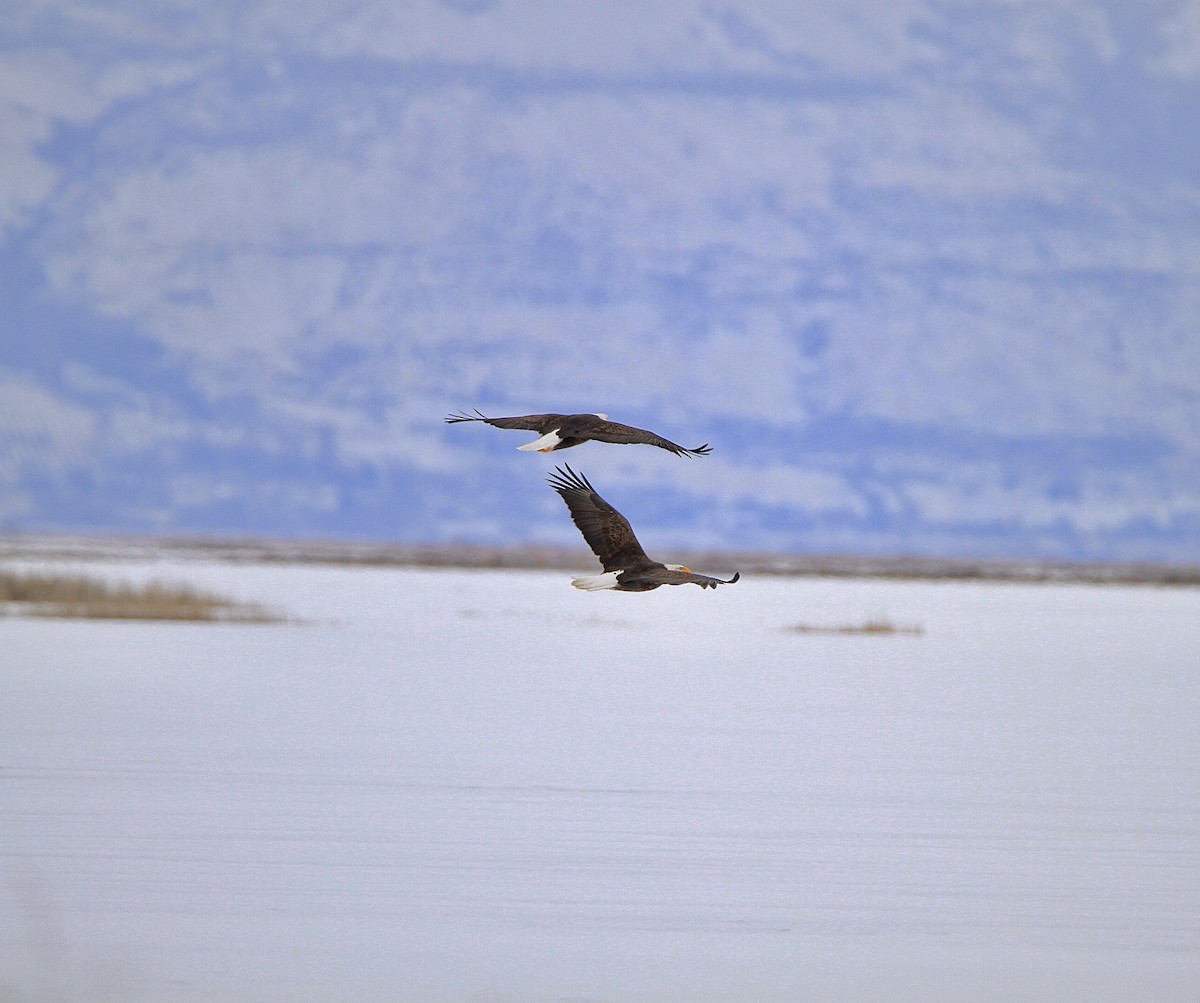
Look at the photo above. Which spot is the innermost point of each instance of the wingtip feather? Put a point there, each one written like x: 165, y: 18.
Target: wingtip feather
x: 461, y: 415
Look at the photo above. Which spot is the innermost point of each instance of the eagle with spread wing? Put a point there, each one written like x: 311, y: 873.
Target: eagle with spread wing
x: 608, y: 533
x: 562, y: 431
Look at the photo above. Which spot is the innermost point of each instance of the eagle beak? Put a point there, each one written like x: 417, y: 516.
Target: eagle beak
x: 686, y: 571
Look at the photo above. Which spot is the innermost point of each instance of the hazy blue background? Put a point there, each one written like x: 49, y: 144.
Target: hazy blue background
x: 926, y: 275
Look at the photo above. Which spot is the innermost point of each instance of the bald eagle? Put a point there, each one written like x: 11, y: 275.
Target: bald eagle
x: 608, y: 533
x: 562, y: 431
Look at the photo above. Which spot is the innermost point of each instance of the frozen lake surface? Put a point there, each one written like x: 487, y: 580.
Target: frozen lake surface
x: 463, y: 785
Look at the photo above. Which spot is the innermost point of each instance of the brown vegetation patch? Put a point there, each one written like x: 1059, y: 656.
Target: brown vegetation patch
x: 75, y: 596
x: 532, y: 556
x: 870, y: 627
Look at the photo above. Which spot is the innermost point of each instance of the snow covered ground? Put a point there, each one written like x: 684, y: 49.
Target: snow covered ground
x: 485, y: 785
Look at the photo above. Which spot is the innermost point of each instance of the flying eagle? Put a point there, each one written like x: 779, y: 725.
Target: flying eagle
x: 608, y: 533
x: 562, y: 431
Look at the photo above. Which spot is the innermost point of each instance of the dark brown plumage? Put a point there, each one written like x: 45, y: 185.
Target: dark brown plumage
x: 562, y: 431
x: 608, y: 533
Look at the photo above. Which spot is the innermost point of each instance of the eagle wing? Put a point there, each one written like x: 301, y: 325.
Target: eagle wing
x: 532, y: 422
x: 668, y: 576
x: 606, y: 531
x: 614, y: 431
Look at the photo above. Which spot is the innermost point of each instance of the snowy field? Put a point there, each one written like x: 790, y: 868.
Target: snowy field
x: 464, y: 785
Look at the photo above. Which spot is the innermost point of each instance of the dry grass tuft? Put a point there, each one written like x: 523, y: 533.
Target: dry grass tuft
x: 870, y: 627
x: 76, y: 596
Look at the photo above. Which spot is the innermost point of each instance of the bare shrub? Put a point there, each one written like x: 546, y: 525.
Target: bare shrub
x: 869, y: 627
x: 52, y: 594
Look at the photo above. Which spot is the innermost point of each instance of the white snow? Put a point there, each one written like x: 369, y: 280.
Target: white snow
x: 455, y: 785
